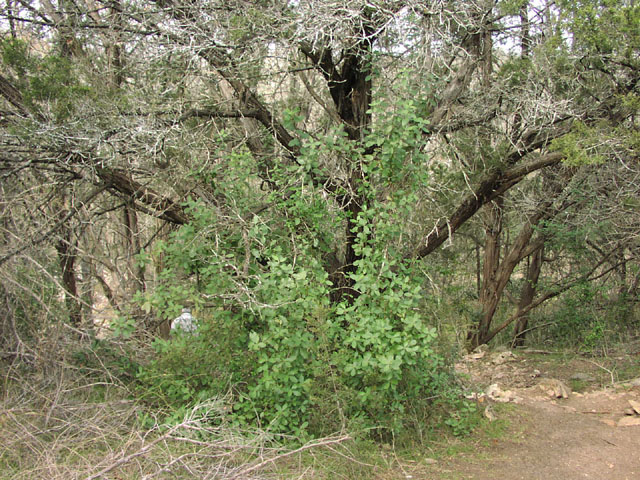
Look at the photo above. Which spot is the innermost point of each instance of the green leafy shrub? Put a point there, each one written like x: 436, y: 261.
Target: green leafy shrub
x: 463, y: 419
x: 290, y: 354
x: 591, y: 319
x: 190, y: 368
x: 297, y: 362
x: 294, y: 300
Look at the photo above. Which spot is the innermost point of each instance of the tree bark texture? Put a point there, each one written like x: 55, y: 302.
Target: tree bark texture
x: 527, y: 295
x: 493, y: 231
x: 66, y: 247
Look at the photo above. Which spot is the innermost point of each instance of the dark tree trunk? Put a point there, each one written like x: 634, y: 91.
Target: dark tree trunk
x: 621, y: 270
x: 66, y: 248
x: 521, y: 248
x: 350, y: 89
x: 489, y: 293
x: 527, y: 294
x: 132, y: 236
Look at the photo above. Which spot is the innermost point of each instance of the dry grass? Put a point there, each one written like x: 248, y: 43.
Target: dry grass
x: 59, y: 422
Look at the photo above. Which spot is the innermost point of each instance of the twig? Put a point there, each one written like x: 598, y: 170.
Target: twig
x: 140, y: 452
x: 542, y: 352
x: 49, y: 232
x: 513, y: 342
x: 320, y: 443
x: 610, y: 372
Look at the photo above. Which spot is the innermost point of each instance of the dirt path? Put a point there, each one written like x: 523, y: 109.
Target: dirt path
x: 579, y: 437
x: 559, y: 440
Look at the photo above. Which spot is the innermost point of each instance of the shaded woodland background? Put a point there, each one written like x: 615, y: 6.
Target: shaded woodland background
x: 346, y: 193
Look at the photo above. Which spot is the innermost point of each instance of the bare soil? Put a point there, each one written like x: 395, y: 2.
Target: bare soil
x: 579, y: 437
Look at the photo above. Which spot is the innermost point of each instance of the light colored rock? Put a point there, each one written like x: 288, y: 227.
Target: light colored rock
x: 632, y: 383
x: 629, y: 422
x: 185, y: 323
x: 478, y: 396
x: 635, y: 406
x: 502, y: 357
x: 492, y: 390
x: 461, y: 367
x: 495, y: 393
x: 554, y: 388
x: 608, y: 421
x: 475, y: 356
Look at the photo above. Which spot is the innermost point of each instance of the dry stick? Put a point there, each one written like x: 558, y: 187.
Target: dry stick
x: 48, y: 233
x: 21, y: 347
x: 231, y: 450
x: 541, y: 352
x: 332, y: 113
x: 351, y: 459
x: 167, y: 467
x: 329, y: 441
x: 535, y: 327
x: 610, y: 372
x: 140, y: 452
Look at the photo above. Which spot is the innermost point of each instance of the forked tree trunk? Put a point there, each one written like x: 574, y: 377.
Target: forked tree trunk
x: 527, y: 294
x: 522, y: 247
x: 492, y: 294
x: 489, y: 292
